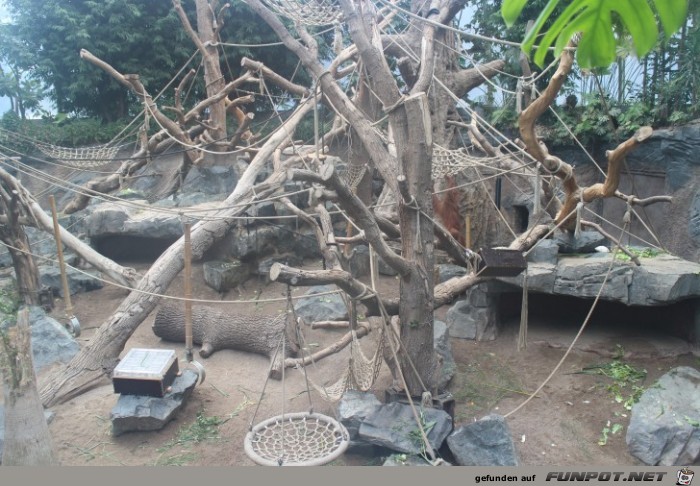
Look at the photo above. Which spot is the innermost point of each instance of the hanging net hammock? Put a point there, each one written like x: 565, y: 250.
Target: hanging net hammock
x: 297, y: 439
x: 360, y: 374
x: 448, y: 162
x: 80, y: 158
x: 307, y: 12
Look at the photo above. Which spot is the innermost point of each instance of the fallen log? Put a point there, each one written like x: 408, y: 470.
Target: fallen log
x: 215, y: 329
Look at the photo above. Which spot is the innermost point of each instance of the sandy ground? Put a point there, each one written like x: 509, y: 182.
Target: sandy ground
x: 562, y: 426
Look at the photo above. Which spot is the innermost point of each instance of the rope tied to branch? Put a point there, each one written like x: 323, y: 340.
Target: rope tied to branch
x: 579, y: 211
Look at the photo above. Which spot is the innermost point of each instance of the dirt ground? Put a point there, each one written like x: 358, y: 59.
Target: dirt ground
x: 562, y: 426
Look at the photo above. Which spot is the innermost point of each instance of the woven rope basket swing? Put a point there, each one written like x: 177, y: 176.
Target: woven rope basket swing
x: 297, y: 439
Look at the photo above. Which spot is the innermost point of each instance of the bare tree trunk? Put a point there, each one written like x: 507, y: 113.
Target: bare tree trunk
x: 27, y: 438
x: 206, y: 37
x: 13, y: 235
x: 416, y: 289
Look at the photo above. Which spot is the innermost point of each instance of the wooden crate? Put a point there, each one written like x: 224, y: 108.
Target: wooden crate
x: 501, y: 262
x: 146, y: 372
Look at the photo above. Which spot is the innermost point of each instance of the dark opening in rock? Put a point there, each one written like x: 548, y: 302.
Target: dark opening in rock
x: 131, y: 248
x: 672, y: 320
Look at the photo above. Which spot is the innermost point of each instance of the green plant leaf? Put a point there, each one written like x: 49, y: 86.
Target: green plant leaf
x: 672, y: 14
x: 692, y: 422
x: 594, y: 19
x: 511, y: 9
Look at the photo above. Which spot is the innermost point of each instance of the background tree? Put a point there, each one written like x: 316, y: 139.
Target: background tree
x: 139, y: 36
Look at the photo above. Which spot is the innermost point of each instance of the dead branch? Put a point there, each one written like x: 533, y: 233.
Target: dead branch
x: 359, y: 213
x: 344, y: 280
x: 284, y: 83
x: 330, y: 325
x: 634, y: 200
x: 362, y: 330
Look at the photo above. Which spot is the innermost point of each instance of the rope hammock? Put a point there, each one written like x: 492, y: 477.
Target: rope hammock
x: 307, y: 12
x: 360, y: 374
x: 80, y: 158
x: 353, y: 174
x: 448, y: 162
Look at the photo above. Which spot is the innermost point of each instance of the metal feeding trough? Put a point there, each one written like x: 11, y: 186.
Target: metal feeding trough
x: 148, y: 372
x: 501, y: 262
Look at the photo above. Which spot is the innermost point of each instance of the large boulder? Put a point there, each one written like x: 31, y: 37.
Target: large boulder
x: 353, y: 408
x: 660, y: 280
x: 322, y: 307
x: 664, y: 426
x: 486, y: 442
x: 51, y: 342
x: 83, y: 281
x: 217, y: 179
x: 475, y: 317
x: 224, y: 275
x: 394, y: 426
x: 138, y: 413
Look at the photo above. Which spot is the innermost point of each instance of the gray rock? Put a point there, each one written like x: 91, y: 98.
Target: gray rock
x: 673, y: 150
x: 222, y: 276
x: 546, y: 251
x: 694, y: 220
x: 486, y: 442
x: 661, y: 280
x: 663, y: 427
x: 441, y: 342
x: 251, y: 243
x: 580, y: 277
x: 302, y: 243
x: 77, y: 281
x: 51, y: 342
x: 136, y: 413
x: 446, y: 271
x: 393, y: 426
x: 585, y: 243
x: 467, y: 321
x: 323, y: 307
x: 358, y: 263
x: 110, y: 219
x: 352, y: 409
x: 216, y: 179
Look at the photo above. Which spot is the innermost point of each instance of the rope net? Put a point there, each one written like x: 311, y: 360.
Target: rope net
x: 307, y: 12
x: 353, y: 174
x: 360, y: 374
x: 296, y: 439
x: 80, y: 158
x: 448, y: 162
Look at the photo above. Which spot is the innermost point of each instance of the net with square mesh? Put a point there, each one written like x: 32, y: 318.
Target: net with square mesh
x: 307, y: 12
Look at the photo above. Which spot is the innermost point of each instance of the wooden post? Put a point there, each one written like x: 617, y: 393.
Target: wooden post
x: 468, y: 231
x: 59, y: 248
x: 188, y: 293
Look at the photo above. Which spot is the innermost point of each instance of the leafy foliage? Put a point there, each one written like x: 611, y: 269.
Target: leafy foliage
x: 598, y: 21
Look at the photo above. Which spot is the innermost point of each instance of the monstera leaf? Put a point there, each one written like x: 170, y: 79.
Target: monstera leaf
x: 594, y: 19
